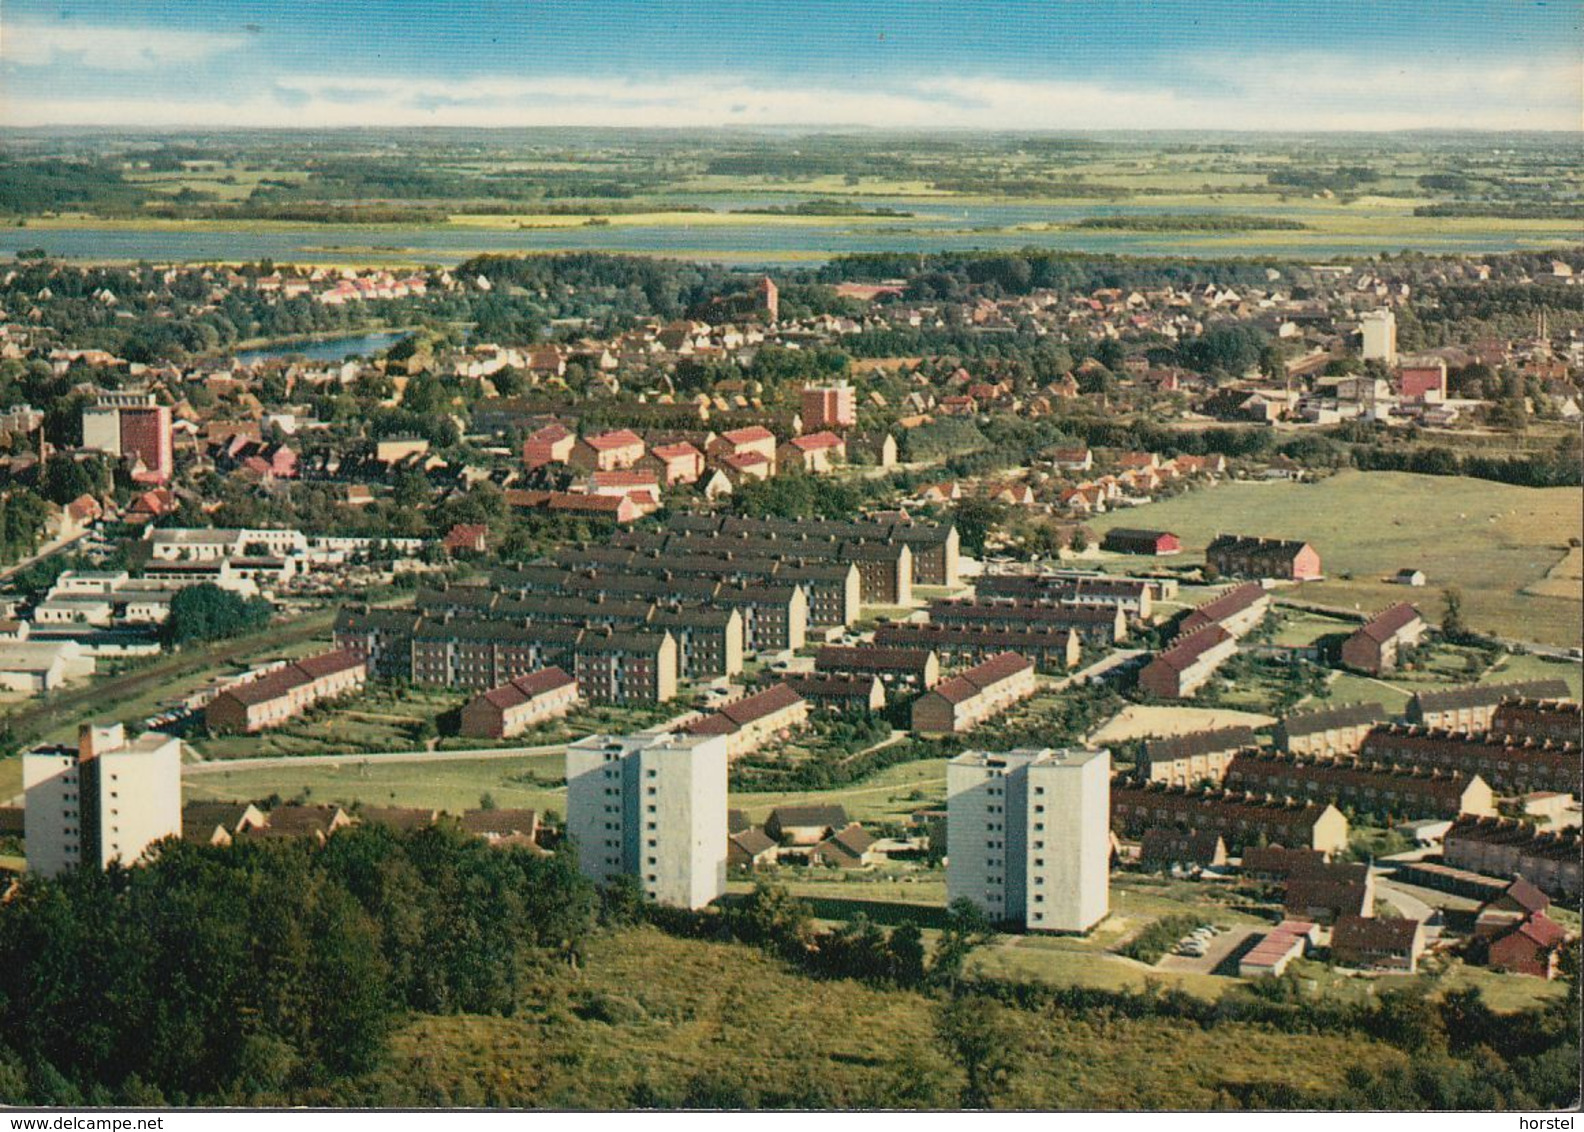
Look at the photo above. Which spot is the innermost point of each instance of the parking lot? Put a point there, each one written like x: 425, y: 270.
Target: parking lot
x: 1220, y: 957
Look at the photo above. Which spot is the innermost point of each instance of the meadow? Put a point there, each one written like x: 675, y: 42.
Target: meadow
x: 648, y: 1016
x: 1492, y: 541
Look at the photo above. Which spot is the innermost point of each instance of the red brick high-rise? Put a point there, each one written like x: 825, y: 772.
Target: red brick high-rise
x: 829, y: 406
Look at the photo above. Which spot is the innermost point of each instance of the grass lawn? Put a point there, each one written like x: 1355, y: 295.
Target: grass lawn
x: 534, y: 781
x: 531, y: 782
x: 1489, y: 539
x: 891, y: 795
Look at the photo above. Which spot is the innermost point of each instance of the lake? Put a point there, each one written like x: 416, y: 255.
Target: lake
x: 324, y: 349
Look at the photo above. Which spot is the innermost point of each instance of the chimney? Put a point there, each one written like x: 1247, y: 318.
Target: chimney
x: 95, y: 739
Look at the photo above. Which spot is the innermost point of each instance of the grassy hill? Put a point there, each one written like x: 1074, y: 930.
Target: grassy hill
x: 651, y: 1019
x: 1496, y: 542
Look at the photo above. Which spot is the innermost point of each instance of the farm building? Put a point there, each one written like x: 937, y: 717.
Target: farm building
x: 1132, y: 540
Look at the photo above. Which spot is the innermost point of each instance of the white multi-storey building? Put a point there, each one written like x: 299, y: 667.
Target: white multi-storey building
x: 1379, y: 330
x: 107, y: 799
x: 1028, y: 836
x: 652, y: 807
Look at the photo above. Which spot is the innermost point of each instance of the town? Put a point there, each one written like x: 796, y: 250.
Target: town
x: 870, y: 649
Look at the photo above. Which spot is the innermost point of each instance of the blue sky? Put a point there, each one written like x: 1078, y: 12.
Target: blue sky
x: 1017, y: 64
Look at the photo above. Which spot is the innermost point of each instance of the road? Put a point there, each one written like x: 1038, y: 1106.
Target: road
x: 1099, y: 668
x: 1406, y: 903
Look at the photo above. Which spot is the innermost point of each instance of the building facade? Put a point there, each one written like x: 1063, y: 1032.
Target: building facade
x: 651, y: 807
x: 1027, y: 836
x: 105, y: 800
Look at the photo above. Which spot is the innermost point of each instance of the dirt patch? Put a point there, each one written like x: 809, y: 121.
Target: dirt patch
x: 1138, y: 721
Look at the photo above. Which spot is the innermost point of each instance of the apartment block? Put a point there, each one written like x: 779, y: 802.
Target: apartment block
x: 105, y: 800
x: 1028, y: 836
x: 651, y: 807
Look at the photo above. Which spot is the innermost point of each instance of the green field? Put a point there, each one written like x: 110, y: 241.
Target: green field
x: 1490, y: 540
x: 531, y: 782
x: 534, y: 781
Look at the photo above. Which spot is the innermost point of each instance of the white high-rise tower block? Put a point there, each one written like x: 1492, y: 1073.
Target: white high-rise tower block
x: 651, y: 807
x: 1028, y: 836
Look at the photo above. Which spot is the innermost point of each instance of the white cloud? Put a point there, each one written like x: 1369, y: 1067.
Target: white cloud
x: 107, y: 48
x: 1302, y: 92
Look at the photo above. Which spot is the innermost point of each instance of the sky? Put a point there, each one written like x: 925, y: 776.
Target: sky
x: 907, y: 64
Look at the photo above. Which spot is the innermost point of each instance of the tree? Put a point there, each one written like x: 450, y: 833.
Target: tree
x: 967, y: 929
x: 1452, y: 624
x: 206, y: 612
x: 978, y: 1035
x: 976, y: 518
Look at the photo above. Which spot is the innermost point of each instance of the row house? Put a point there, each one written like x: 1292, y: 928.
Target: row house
x: 1101, y: 626
x: 754, y: 720
x: 962, y: 702
x: 1187, y: 760
x: 906, y: 671
x: 1554, y: 721
x: 1242, y: 819
x: 1472, y: 708
x: 1181, y: 670
x: 285, y: 693
x: 1509, y: 764
x: 1329, y: 731
x: 1375, y: 647
x: 840, y: 694
x: 512, y: 708
x: 1051, y: 650
x: 1396, y: 792
x: 1253, y: 556
x: 1134, y: 596
x: 1238, y: 611
x: 1506, y: 848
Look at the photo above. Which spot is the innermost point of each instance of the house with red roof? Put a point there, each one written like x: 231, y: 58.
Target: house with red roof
x: 755, y: 720
x: 961, y: 702
x: 607, y: 451
x: 471, y: 538
x: 752, y: 440
x: 816, y: 453
x: 552, y: 444
x: 675, y: 463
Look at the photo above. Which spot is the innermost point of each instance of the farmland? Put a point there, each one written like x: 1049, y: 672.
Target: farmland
x: 1492, y: 541
x: 772, y: 199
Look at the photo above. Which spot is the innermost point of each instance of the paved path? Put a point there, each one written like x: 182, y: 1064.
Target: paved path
x: 44, y: 551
